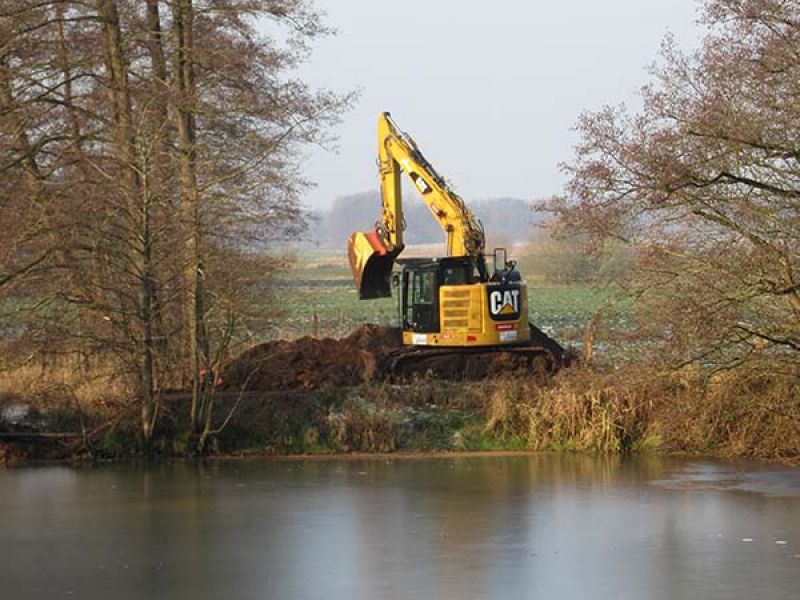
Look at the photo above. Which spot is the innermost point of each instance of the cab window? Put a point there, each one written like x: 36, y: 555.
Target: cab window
x: 424, y: 284
x: 456, y: 275
x: 420, y: 310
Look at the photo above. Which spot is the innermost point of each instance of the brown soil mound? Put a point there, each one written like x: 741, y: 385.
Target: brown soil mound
x: 310, y: 363
x: 373, y: 352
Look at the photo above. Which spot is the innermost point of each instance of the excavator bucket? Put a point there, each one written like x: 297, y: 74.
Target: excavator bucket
x: 371, y: 263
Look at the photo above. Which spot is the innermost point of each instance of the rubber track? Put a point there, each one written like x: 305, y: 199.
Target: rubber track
x: 406, y: 361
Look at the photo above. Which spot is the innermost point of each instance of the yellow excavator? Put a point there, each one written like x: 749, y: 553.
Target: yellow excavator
x: 450, y: 306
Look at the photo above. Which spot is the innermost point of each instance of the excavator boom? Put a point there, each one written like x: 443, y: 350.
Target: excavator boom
x: 372, y: 254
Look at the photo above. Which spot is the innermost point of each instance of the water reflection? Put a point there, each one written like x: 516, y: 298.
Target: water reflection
x: 538, y: 526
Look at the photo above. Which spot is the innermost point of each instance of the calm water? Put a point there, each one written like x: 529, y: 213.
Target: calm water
x: 501, y: 527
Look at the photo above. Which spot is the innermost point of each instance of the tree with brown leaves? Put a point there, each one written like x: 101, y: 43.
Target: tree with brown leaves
x: 704, y: 184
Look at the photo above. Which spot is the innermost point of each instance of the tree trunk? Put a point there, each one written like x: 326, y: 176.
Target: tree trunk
x: 155, y: 47
x: 138, y: 198
x: 183, y: 17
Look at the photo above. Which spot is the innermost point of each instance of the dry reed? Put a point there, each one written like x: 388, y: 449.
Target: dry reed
x: 732, y: 413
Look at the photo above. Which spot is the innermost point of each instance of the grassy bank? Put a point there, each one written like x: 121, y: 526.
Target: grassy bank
x: 731, y: 415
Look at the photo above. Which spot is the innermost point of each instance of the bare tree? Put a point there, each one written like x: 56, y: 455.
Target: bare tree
x: 703, y: 183
x: 144, y: 146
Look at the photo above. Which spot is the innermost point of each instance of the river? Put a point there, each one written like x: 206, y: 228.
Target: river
x: 515, y: 526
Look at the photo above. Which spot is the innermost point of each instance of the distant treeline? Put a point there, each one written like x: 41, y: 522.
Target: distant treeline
x: 504, y: 219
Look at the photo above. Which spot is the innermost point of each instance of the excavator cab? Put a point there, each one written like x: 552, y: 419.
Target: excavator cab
x: 421, y: 280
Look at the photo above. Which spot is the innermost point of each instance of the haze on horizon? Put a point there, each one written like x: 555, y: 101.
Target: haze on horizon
x: 490, y: 96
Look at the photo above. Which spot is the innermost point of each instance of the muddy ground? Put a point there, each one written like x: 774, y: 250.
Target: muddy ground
x: 369, y: 353
x: 309, y: 363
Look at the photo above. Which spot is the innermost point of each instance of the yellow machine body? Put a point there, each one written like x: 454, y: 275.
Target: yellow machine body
x: 465, y: 313
x: 446, y: 302
x: 450, y: 301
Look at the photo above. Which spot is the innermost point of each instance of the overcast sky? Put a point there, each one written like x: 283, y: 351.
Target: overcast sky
x: 489, y: 90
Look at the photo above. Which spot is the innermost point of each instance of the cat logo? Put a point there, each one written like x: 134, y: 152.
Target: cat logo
x: 504, y: 304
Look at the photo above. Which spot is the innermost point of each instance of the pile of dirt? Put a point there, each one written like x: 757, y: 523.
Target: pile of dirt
x: 376, y: 352
x: 310, y: 363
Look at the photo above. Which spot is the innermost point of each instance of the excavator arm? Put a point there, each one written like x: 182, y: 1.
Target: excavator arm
x: 372, y: 254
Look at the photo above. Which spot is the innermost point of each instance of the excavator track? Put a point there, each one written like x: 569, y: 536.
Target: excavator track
x: 471, y: 363
x: 541, y: 357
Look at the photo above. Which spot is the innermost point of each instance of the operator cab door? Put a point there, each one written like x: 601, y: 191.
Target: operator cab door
x: 421, y: 300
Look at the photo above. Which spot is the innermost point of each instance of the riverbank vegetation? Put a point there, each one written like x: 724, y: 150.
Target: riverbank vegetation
x: 730, y: 414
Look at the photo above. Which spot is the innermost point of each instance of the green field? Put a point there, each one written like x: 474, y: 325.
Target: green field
x: 317, y: 297
x: 327, y: 291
